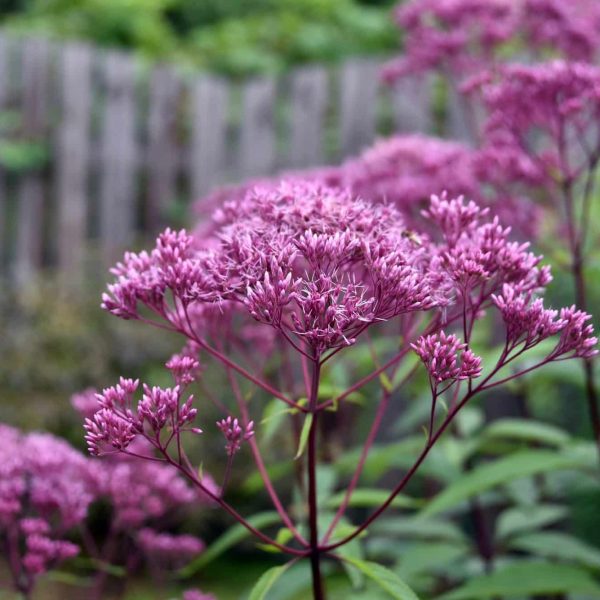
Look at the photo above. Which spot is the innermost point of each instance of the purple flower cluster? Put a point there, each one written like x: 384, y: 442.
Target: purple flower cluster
x: 45, y: 490
x: 528, y: 323
x: 318, y: 266
x: 446, y: 358
x: 452, y: 35
x: 542, y: 120
x: 321, y: 266
x: 235, y: 434
x: 197, y: 595
x: 143, y: 491
x: 117, y: 422
x: 169, y: 550
x: 139, y: 492
x: 460, y: 37
x: 405, y: 170
x: 314, y: 262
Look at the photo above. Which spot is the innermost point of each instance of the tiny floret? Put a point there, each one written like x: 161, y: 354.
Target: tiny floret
x: 235, y: 433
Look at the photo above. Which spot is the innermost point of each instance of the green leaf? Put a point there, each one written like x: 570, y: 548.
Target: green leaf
x: 381, y: 457
x: 85, y: 562
x: 371, y: 497
x: 326, y: 482
x: 428, y: 557
x: 308, y: 421
x: 387, y: 580
x: 352, y: 550
x: 527, y: 579
x: 266, y: 581
x: 418, y: 528
x: 527, y: 518
x: 68, y: 579
x: 273, y: 417
x: 255, y: 484
x: 234, y: 535
x: 559, y: 545
x: 527, y: 430
x: 489, y: 475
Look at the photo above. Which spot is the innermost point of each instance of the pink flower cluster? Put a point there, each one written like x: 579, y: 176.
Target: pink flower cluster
x: 41, y: 550
x: 45, y: 490
x: 143, y: 491
x: 314, y: 262
x: 117, y: 422
x: 139, y: 492
x: 405, y: 170
x: 542, y: 120
x: 197, y: 595
x: 528, y: 323
x: 455, y: 35
x: 169, y: 550
x: 462, y: 36
x: 320, y: 266
x: 235, y: 434
x: 440, y: 353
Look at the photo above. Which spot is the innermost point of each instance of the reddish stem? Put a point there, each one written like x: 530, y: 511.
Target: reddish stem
x: 361, y: 463
x: 313, y: 509
x: 260, y: 465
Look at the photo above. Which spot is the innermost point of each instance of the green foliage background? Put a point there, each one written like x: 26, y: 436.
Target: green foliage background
x: 235, y: 37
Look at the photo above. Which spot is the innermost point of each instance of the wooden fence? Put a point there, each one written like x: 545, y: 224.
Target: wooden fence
x: 128, y: 142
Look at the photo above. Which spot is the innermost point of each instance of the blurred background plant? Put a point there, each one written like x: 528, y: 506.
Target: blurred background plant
x: 234, y: 37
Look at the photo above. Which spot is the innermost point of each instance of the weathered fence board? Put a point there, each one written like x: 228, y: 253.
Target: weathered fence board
x: 458, y: 125
x: 35, y: 66
x: 4, y: 98
x: 257, y: 136
x: 165, y: 93
x: 308, y: 105
x: 359, y: 82
x: 119, y: 159
x: 411, y: 100
x: 73, y: 155
x: 130, y: 141
x: 209, y: 113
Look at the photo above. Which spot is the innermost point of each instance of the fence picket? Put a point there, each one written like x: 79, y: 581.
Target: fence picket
x: 411, y: 99
x: 4, y: 100
x: 102, y: 127
x: 165, y: 90
x: 209, y: 113
x: 359, y: 83
x: 73, y: 156
x: 31, y: 193
x: 457, y: 120
x: 118, y: 155
x: 308, y: 98
x: 257, y: 136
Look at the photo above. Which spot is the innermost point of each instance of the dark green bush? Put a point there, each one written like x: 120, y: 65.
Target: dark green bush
x: 237, y: 37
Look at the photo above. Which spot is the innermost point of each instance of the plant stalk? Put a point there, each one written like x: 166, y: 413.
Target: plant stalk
x: 315, y: 550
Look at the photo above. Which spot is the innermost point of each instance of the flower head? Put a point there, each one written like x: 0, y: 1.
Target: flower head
x: 313, y: 262
x: 235, y: 433
x: 46, y: 487
x: 447, y: 358
x: 169, y: 550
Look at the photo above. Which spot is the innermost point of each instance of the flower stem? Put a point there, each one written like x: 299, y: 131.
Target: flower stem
x: 315, y: 550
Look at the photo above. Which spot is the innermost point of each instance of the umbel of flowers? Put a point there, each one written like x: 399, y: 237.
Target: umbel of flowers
x: 460, y: 37
x: 319, y: 268
x: 542, y: 133
x: 45, y: 490
x: 143, y: 497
